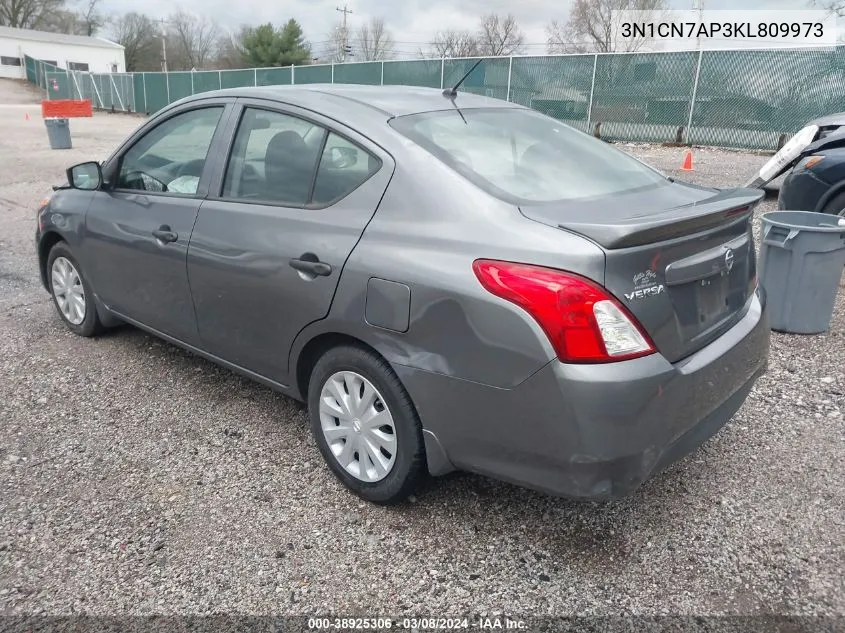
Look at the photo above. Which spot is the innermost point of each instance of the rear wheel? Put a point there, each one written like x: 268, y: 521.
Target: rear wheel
x: 71, y: 293
x: 365, y: 425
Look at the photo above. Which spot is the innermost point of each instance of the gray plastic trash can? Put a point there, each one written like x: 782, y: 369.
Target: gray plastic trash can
x: 58, y: 131
x: 801, y: 261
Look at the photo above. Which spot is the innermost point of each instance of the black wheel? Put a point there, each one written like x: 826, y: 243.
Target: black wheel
x: 72, y: 294
x: 836, y: 205
x: 365, y: 425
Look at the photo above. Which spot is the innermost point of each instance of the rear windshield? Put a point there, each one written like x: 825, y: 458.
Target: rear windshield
x: 522, y: 156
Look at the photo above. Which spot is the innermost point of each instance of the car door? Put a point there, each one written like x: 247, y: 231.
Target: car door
x: 266, y: 253
x: 138, y: 226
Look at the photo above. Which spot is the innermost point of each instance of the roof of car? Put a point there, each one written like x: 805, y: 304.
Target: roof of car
x: 837, y: 118
x: 388, y: 100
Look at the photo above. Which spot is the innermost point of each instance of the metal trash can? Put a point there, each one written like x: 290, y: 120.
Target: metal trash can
x: 801, y: 262
x: 58, y: 131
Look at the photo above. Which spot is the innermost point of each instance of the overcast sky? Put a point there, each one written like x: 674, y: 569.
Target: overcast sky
x: 411, y: 22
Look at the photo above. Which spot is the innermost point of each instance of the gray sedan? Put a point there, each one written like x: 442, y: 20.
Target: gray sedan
x: 449, y: 281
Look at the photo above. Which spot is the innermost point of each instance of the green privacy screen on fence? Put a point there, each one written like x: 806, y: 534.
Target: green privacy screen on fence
x: 731, y: 98
x: 205, y: 81
x: 557, y: 86
x: 179, y: 86
x: 237, y: 78
x: 156, y: 91
x: 273, y: 76
x: 421, y: 72
x: 643, y: 97
x: 747, y: 98
x: 363, y: 73
x: 313, y: 74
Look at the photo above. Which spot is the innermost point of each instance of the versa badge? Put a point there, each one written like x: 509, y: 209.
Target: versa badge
x: 644, y: 286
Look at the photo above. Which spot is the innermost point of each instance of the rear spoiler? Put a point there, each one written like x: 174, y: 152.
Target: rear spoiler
x: 676, y: 222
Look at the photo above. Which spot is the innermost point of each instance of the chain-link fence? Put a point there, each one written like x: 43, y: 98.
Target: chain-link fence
x: 107, y: 91
x: 739, y: 98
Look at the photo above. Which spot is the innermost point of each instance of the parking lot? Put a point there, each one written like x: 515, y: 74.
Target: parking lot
x: 136, y: 477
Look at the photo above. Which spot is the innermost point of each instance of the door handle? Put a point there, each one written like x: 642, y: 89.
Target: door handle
x: 164, y: 234
x: 311, y: 267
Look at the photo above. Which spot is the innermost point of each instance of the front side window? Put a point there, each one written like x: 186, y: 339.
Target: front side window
x: 10, y: 61
x: 81, y: 66
x: 522, y: 156
x: 171, y: 157
x: 274, y: 157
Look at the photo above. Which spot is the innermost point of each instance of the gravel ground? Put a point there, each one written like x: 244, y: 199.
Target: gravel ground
x: 137, y: 478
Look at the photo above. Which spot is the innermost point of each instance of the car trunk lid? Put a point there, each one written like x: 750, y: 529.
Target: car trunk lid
x: 681, y: 258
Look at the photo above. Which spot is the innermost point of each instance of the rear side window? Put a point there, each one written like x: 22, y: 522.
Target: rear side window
x: 522, y: 156
x: 343, y: 168
x: 273, y: 159
x: 282, y: 159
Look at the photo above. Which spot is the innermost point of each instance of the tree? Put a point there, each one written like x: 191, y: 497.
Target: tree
x: 373, y: 41
x: 499, y: 35
x: 452, y: 43
x: 193, y: 40
x: 267, y: 46
x: 295, y: 49
x: 140, y: 37
x: 60, y: 21
x: 336, y: 40
x: 230, y: 49
x: 90, y: 19
x: 87, y: 21
x: 836, y: 7
x: 28, y: 14
x: 591, y: 27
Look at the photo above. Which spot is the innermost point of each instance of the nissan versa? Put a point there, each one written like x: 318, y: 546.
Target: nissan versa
x: 449, y: 281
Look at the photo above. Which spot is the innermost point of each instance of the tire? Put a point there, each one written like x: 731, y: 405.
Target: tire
x: 337, y: 369
x: 836, y: 205
x: 89, y: 325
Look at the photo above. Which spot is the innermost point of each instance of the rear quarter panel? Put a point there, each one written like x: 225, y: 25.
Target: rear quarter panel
x: 429, y: 228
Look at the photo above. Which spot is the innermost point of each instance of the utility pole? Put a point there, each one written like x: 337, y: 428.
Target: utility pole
x: 345, y: 11
x: 698, y: 5
x: 163, y: 45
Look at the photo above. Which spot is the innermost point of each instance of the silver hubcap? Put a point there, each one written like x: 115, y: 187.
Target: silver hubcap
x: 68, y: 290
x: 358, y: 426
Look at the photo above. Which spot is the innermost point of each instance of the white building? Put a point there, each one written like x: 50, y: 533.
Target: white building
x: 70, y: 52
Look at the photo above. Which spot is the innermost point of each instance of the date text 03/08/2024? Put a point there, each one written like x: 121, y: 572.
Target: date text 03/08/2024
x: 416, y: 624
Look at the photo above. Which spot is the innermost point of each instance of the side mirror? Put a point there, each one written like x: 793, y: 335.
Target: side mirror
x: 87, y: 176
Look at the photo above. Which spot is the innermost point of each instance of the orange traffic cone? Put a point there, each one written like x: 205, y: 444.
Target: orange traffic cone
x: 687, y: 165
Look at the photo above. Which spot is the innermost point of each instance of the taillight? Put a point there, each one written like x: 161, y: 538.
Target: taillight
x: 584, y: 323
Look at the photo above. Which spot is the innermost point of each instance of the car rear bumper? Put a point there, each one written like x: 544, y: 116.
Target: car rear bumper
x: 594, y: 431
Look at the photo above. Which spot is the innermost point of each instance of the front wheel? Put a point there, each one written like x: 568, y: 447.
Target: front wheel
x: 365, y: 425
x: 836, y: 205
x: 71, y: 293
